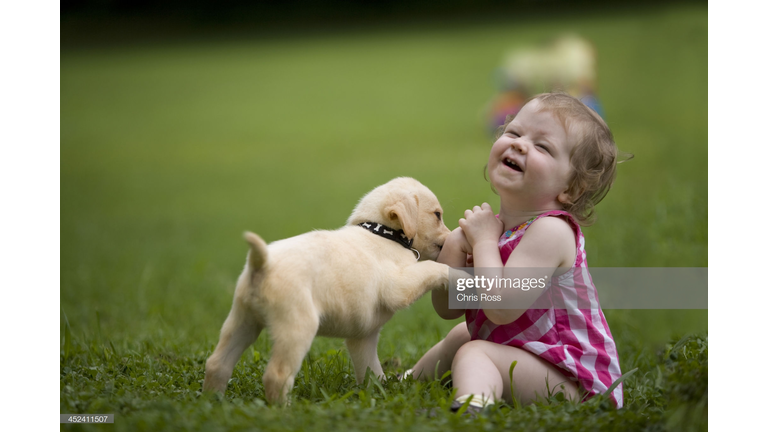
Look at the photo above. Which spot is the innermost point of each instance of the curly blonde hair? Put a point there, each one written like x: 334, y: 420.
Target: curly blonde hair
x: 594, y: 155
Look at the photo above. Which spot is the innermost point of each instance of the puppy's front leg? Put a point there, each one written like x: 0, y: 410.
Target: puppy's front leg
x: 413, y: 282
x: 364, y: 356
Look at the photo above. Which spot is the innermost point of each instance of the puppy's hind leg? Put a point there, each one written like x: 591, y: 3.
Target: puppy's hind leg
x: 364, y: 355
x: 240, y: 330
x: 292, y: 336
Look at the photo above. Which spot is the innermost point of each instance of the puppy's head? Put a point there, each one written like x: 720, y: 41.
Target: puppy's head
x: 404, y: 203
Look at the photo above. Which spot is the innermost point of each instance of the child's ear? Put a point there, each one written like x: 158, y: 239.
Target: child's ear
x: 570, y: 195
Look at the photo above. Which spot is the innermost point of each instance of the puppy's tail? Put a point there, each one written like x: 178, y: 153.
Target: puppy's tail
x: 257, y: 256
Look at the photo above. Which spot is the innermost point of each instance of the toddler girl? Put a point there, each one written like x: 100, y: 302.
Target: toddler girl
x: 553, y: 162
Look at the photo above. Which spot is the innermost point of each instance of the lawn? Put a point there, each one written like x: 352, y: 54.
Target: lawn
x: 170, y: 151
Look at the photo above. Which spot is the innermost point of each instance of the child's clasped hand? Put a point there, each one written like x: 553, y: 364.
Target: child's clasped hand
x: 480, y: 225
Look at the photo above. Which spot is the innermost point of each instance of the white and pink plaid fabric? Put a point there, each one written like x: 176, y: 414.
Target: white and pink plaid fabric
x: 576, y: 337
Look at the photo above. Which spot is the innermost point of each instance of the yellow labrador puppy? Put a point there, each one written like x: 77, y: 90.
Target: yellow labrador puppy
x: 345, y: 283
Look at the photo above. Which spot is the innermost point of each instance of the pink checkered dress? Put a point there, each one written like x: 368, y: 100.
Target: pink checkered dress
x: 577, y: 338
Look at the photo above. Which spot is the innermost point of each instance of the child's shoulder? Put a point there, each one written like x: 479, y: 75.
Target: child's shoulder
x: 554, y: 228
x: 552, y: 236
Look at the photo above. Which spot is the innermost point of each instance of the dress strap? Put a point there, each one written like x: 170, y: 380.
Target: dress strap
x: 508, y: 233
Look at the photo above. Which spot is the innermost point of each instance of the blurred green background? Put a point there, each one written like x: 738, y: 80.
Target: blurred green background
x: 171, y: 149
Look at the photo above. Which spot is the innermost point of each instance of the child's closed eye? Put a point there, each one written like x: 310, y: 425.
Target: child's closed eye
x: 544, y: 148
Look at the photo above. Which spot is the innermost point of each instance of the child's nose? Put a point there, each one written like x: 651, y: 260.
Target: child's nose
x: 520, y: 146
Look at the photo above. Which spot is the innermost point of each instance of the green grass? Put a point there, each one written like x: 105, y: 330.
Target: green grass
x: 169, y: 152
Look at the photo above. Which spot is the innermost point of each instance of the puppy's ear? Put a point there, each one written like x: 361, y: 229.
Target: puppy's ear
x: 405, y: 212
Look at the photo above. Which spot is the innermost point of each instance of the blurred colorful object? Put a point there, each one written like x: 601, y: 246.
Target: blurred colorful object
x: 567, y: 63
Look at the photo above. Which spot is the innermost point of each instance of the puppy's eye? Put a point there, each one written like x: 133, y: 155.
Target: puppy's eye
x: 438, y: 215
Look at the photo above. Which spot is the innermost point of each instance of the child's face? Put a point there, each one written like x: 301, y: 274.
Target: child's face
x: 529, y: 164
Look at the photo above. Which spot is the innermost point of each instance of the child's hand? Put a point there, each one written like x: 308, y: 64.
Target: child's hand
x: 480, y: 224
x: 458, y: 237
x: 455, y: 249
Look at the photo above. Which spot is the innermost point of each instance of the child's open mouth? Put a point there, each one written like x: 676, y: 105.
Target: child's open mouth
x: 510, y: 163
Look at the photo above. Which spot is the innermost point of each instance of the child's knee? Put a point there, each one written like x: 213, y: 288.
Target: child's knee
x: 459, y: 331
x: 470, y: 349
x: 458, y: 336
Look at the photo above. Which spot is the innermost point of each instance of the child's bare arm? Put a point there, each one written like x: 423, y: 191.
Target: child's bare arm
x: 547, y: 248
x: 454, y: 254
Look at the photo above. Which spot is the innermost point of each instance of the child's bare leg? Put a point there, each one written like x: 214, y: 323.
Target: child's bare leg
x: 481, y: 368
x: 441, y: 355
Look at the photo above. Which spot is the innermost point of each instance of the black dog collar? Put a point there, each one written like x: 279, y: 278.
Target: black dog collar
x: 397, y: 236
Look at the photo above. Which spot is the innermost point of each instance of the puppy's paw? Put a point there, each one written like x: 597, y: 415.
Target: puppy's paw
x: 439, y: 273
